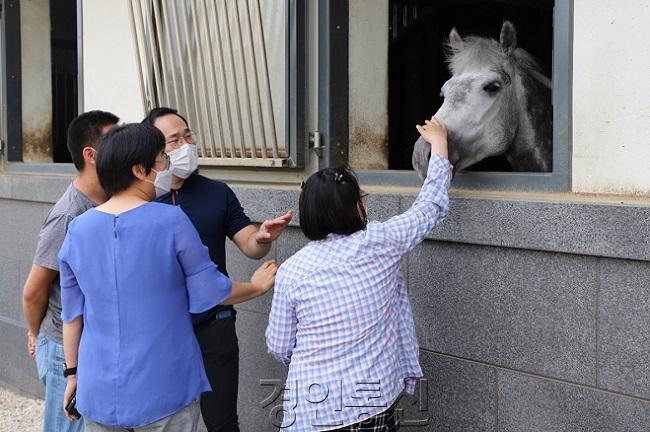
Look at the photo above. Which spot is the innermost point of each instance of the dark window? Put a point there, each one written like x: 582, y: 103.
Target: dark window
x: 39, y: 138
x: 63, y: 17
x: 417, y: 67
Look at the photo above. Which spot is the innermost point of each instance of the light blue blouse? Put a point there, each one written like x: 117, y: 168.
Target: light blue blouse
x: 135, y: 278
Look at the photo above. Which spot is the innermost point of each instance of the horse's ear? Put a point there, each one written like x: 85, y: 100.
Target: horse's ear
x: 455, y: 41
x: 508, y: 38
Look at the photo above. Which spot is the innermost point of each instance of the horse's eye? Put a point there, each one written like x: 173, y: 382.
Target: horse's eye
x: 492, y: 87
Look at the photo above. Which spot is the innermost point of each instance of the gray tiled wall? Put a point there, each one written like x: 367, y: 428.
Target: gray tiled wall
x: 521, y: 327
x: 624, y: 327
x: 530, y: 404
x: 461, y: 395
x: 525, y: 310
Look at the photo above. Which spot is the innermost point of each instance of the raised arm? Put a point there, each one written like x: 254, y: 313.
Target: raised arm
x: 255, y: 242
x: 252, y: 241
x: 400, y: 234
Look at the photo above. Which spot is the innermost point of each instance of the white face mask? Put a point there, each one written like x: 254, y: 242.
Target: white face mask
x: 162, y: 183
x: 184, y: 160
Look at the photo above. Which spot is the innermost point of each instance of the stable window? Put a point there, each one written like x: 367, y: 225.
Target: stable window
x: 395, y: 53
x: 39, y: 80
x: 233, y: 68
x: 236, y: 69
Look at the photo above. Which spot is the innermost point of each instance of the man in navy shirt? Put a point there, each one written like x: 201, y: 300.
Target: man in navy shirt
x: 216, y: 214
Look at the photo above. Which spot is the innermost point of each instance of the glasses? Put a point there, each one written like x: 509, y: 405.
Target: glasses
x: 163, y: 159
x: 188, y: 138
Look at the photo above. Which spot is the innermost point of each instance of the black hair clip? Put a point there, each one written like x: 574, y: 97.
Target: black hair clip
x: 338, y: 177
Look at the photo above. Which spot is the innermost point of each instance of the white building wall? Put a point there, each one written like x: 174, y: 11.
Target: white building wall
x: 109, y: 65
x: 611, y: 97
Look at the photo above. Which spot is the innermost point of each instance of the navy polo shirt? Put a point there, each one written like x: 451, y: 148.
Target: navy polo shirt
x: 216, y: 214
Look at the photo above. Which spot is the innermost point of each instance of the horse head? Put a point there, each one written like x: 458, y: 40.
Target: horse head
x: 496, y: 102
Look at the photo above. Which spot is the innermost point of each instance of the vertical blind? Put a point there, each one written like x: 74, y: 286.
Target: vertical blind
x: 210, y: 60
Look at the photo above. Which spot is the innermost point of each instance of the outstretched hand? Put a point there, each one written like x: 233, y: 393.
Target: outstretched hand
x: 264, y: 277
x: 435, y: 133
x: 271, y: 229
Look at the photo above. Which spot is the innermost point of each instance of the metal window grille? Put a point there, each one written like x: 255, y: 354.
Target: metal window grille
x: 210, y: 60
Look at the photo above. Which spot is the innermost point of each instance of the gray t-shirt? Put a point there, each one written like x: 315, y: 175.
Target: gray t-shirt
x: 71, y: 204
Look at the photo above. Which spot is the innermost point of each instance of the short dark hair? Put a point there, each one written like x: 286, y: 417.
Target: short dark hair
x: 329, y: 204
x: 121, y: 149
x: 85, y: 131
x: 158, y: 112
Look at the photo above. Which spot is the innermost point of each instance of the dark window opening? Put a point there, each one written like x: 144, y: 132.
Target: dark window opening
x: 417, y: 68
x: 63, y: 17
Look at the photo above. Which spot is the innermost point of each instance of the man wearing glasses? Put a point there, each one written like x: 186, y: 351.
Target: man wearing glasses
x: 216, y: 214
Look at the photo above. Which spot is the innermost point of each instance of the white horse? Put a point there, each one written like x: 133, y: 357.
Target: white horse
x: 497, y: 102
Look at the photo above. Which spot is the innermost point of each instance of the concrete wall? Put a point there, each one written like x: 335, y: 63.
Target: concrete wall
x: 531, y: 315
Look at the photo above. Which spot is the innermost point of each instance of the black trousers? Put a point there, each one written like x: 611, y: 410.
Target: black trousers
x: 218, y: 342
x: 383, y: 422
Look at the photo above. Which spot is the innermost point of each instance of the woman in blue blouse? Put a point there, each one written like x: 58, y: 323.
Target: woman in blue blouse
x: 341, y: 318
x: 132, y: 272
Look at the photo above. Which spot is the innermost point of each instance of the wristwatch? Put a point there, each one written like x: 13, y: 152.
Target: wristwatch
x: 69, y: 371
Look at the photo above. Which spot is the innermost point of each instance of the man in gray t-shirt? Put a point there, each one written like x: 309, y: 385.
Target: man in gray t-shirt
x: 42, y: 294
x: 72, y: 203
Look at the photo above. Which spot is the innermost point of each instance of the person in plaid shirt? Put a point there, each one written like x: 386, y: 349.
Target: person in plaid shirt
x: 341, y: 318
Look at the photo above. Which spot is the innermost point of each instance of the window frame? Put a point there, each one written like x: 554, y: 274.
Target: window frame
x: 296, y: 91
x: 11, y: 81
x: 333, y: 122
x: 333, y: 93
x: 296, y: 86
x: 153, y: 93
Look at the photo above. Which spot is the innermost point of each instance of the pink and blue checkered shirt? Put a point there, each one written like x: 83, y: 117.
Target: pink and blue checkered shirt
x: 341, y: 318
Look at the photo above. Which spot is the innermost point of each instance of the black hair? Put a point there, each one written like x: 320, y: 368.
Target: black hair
x: 329, y: 203
x: 86, y: 131
x: 121, y: 149
x: 158, y: 112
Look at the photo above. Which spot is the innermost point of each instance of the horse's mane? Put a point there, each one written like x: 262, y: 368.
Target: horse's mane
x: 478, y: 51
